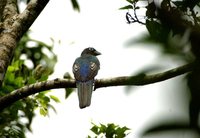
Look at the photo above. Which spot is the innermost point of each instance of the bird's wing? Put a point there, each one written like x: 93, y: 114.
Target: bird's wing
x: 94, y: 67
x: 76, y: 70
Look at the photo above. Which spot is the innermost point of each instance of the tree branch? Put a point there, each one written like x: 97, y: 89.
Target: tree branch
x: 2, y: 6
x: 28, y: 16
x: 34, y: 88
x: 9, y: 11
x: 69, y: 83
x: 143, y: 79
x: 13, y: 27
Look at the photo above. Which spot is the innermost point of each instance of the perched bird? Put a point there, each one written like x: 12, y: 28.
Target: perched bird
x: 85, y: 68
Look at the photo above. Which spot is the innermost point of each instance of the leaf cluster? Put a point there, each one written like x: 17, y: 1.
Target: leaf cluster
x: 33, y: 62
x: 169, y: 24
x: 19, y: 74
x: 109, y: 131
x: 173, y: 26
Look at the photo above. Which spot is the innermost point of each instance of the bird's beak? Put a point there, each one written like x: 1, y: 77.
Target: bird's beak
x: 97, y: 53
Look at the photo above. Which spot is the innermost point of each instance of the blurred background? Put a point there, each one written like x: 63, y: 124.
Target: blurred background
x: 143, y: 37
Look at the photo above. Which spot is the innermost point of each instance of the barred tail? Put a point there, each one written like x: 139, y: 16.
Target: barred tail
x: 84, y: 93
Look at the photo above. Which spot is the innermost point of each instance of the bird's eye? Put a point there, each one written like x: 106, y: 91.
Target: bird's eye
x: 91, y: 49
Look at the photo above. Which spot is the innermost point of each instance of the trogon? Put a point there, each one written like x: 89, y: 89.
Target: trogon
x: 85, y: 68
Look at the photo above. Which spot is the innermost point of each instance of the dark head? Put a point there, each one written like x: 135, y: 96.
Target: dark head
x: 90, y: 51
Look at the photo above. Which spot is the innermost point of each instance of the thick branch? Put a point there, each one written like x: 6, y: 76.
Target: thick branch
x: 10, y: 10
x: 34, y: 88
x: 28, y: 16
x: 66, y: 83
x: 13, y: 28
x: 2, y: 6
x: 144, y: 79
x: 7, y: 42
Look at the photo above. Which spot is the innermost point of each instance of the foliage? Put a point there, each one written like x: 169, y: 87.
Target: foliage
x: 174, y: 26
x: 75, y: 5
x: 33, y: 61
x: 109, y: 131
x: 68, y: 91
x: 19, y: 74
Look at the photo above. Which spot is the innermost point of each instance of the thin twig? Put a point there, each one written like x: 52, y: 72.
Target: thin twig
x: 135, y: 14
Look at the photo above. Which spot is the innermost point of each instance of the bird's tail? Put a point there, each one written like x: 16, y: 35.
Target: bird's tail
x: 84, y: 93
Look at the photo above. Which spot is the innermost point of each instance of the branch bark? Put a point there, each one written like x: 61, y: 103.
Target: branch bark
x: 70, y: 83
x: 140, y: 80
x: 2, y: 6
x: 13, y: 27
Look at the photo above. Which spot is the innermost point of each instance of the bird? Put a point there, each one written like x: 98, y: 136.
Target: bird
x: 85, y: 68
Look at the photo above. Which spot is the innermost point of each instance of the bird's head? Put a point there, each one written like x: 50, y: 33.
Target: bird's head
x: 90, y: 51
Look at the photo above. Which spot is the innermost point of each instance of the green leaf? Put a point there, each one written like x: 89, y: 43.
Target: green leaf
x: 157, y: 31
x: 130, y: 1
x: 68, y: 92
x: 151, y: 10
x: 126, y: 7
x: 121, y: 132
x: 125, y: 128
x: 44, y: 77
x: 55, y: 99
x: 7, y: 88
x: 31, y: 80
x: 46, y: 99
x: 43, y: 111
x: 102, y: 128
x: 75, y: 5
x: 19, y: 81
x: 11, y: 68
x: 52, y: 107
x: 137, y: 7
x: 110, y: 130
x: 10, y: 77
x: 95, y: 129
